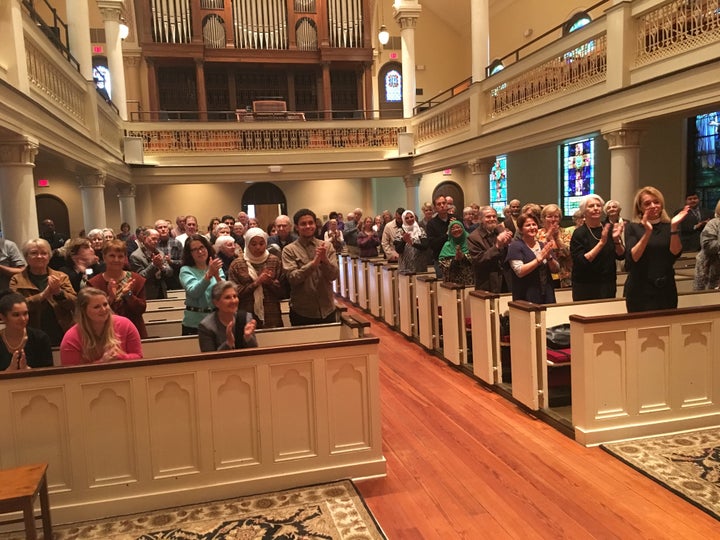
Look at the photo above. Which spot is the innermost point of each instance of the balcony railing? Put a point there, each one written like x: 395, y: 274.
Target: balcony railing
x: 57, y: 32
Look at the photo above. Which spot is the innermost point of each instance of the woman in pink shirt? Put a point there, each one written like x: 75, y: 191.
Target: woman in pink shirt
x: 99, y: 335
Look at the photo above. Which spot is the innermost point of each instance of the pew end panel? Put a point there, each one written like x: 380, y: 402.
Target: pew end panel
x: 198, y: 428
x: 451, y: 300
x: 483, y: 308
x: 375, y: 296
x: 526, y: 347
x: 352, y: 279
x: 428, y: 320
x: 389, y: 288
x: 645, y: 374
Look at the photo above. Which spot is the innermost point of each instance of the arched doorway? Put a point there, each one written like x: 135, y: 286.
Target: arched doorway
x: 264, y: 201
x: 451, y: 189
x: 52, y: 207
x: 390, y: 90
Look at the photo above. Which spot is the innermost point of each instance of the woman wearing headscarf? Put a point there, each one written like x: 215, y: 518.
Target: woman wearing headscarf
x: 454, y: 256
x: 260, y: 280
x: 411, y: 244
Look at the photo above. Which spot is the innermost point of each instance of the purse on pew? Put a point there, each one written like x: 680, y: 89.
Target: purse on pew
x: 558, y: 336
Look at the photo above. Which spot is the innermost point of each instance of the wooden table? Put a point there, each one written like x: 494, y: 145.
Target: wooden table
x: 19, y: 487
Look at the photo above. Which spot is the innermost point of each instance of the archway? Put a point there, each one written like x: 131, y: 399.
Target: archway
x: 390, y: 90
x: 52, y: 207
x: 264, y: 201
x: 451, y: 189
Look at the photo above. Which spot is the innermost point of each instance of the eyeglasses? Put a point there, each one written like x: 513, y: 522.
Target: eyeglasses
x: 197, y: 249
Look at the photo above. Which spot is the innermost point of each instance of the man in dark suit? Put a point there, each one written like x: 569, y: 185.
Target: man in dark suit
x: 488, y: 247
x: 153, y: 265
x: 510, y: 221
x: 694, y: 223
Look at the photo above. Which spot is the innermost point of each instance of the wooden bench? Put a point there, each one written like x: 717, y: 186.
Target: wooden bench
x: 644, y: 374
x: 389, y: 294
x: 375, y: 297
x: 19, y: 489
x: 428, y: 321
x: 528, y: 324
x: 408, y: 304
x: 198, y: 427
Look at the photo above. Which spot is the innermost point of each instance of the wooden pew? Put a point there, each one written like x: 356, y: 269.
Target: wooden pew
x: 428, y: 321
x: 196, y: 428
x: 163, y: 304
x: 158, y: 321
x: 341, y: 285
x: 408, y: 304
x: 352, y: 280
x: 451, y: 302
x: 389, y: 294
x: 375, y: 303
x: 645, y: 374
x: 361, y: 274
x: 528, y: 324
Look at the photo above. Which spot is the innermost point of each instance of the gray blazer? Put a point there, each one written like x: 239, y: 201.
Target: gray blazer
x: 155, y: 280
x: 211, y: 333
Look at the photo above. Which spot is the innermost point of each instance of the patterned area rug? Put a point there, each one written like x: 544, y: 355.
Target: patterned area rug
x: 327, y: 512
x: 686, y: 463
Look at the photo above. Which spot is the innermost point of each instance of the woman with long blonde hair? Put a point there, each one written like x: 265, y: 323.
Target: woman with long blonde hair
x: 652, y: 244
x: 99, y: 335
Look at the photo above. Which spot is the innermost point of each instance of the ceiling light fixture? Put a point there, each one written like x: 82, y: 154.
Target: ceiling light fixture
x: 383, y: 35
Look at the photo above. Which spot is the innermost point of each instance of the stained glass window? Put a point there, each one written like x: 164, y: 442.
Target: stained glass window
x: 101, y: 74
x: 393, y: 86
x: 498, y: 184
x: 578, y: 173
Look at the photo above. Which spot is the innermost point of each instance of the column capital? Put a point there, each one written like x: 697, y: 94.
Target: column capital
x: 412, y: 180
x: 406, y: 13
x: 480, y: 166
x: 92, y: 180
x: 623, y: 138
x: 111, y: 9
x: 19, y: 151
x: 125, y: 190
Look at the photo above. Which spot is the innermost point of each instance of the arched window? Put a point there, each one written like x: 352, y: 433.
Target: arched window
x: 101, y: 76
x: 393, y: 86
x: 576, y: 22
x: 495, y: 67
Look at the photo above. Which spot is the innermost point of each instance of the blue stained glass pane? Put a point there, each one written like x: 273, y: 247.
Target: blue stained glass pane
x: 393, y: 86
x: 578, y: 165
x: 498, y: 184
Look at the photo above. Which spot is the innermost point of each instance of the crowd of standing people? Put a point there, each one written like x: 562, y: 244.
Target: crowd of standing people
x: 88, y: 295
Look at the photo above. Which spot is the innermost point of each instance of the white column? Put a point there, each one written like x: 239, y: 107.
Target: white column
x: 479, y: 191
x: 126, y: 197
x: 620, y: 45
x: 479, y: 38
x: 110, y: 10
x: 12, y: 45
x: 78, y: 20
x: 624, y: 145
x: 92, y: 193
x: 412, y: 193
x: 406, y: 13
x: 17, y: 189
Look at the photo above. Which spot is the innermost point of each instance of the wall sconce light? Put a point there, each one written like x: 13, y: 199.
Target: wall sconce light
x: 383, y: 35
x: 124, y: 29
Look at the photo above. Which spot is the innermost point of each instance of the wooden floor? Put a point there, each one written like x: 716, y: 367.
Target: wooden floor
x: 464, y: 462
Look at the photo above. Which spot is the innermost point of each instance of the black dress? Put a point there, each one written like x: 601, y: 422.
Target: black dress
x: 594, y: 279
x: 651, y: 280
x: 37, y: 350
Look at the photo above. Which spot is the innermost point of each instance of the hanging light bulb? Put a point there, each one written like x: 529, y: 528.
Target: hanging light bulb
x: 124, y: 29
x: 383, y: 35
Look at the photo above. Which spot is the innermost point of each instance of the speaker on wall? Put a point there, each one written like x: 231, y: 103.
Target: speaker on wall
x: 406, y: 144
x: 133, y: 148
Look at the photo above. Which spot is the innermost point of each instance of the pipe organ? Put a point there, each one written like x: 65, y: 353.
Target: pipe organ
x: 230, y: 52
